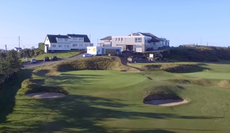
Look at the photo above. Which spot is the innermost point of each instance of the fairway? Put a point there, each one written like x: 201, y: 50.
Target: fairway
x: 101, y: 101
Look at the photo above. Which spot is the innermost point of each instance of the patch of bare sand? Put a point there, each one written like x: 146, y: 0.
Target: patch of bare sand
x: 46, y: 95
x: 168, y: 102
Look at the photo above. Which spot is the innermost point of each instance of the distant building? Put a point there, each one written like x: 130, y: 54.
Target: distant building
x: 138, y: 42
x: 2, y: 50
x: 18, y: 49
x: 66, y: 42
x: 188, y: 45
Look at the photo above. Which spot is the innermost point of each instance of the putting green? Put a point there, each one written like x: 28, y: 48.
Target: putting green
x: 100, y: 79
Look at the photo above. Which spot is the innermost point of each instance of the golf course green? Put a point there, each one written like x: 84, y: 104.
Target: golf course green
x: 111, y: 101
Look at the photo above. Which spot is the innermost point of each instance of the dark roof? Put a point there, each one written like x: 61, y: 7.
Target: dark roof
x: 107, y: 38
x: 154, y: 38
x: 86, y: 39
x: 52, y: 38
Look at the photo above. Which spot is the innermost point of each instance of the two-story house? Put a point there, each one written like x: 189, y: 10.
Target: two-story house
x: 138, y: 42
x: 66, y: 42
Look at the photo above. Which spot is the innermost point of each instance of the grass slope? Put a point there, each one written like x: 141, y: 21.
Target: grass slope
x: 58, y: 54
x: 110, y: 101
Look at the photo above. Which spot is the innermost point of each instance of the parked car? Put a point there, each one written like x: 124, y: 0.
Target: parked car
x: 54, y: 58
x: 46, y: 59
x: 87, y: 55
x: 33, y: 60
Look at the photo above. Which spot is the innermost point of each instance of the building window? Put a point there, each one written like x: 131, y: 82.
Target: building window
x: 121, y: 39
x: 53, y: 45
x: 138, y: 40
x: 67, y: 46
x: 116, y: 39
x: 74, y: 45
x: 59, y: 45
x: 81, y: 39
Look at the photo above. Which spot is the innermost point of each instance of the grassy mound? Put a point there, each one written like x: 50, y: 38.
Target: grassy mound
x: 179, y: 81
x: 102, y: 63
x: 202, y: 82
x: 212, y: 54
x: 173, y: 67
x: 224, y: 84
x: 162, y: 93
x: 33, y: 86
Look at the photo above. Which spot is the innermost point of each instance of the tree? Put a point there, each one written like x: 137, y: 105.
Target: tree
x: 13, y: 61
x: 41, y: 46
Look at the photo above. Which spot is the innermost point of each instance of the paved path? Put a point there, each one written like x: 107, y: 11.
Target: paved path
x: 40, y: 62
x: 125, y: 63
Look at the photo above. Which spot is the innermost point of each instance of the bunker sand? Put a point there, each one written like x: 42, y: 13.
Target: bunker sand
x: 167, y: 102
x: 46, y: 95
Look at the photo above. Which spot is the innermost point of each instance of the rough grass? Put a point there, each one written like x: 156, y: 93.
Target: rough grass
x: 101, y: 63
x: 224, y: 84
x: 172, y: 67
x: 162, y: 93
x: 61, y: 55
x: 37, y: 85
x: 198, y: 54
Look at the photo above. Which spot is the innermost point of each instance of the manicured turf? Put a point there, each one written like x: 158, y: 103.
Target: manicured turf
x: 58, y: 54
x: 112, y: 101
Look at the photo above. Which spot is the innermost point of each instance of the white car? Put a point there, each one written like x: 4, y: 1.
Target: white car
x: 87, y: 55
x: 33, y: 60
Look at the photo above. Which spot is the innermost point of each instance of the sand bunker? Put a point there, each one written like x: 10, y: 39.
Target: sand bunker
x: 46, y: 95
x: 168, y: 102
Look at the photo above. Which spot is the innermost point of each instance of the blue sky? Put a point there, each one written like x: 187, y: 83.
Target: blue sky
x: 180, y: 21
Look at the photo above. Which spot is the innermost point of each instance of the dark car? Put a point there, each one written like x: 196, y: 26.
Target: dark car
x: 46, y: 59
x: 54, y: 58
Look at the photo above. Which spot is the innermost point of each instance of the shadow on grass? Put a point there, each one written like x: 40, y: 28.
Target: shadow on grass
x: 41, y: 72
x: 74, y: 79
x: 7, y: 94
x: 197, y: 68
x: 82, y: 113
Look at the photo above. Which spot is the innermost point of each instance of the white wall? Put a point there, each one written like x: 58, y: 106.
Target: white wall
x: 127, y: 40
x: 92, y: 50
x: 68, y: 45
